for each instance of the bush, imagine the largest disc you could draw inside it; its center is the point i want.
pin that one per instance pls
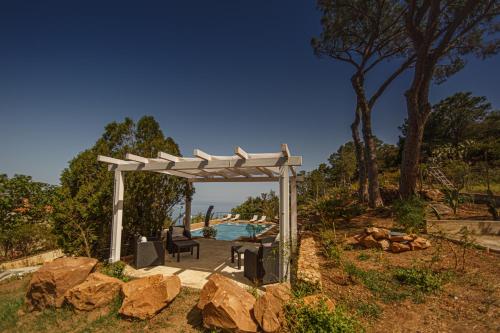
(318, 319)
(303, 288)
(422, 279)
(115, 270)
(410, 214)
(209, 232)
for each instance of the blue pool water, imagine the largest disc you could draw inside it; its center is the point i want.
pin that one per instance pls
(232, 231)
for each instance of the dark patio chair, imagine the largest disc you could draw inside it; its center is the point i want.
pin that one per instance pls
(149, 253)
(262, 265)
(175, 234)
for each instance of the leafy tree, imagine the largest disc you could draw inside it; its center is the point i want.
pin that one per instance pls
(454, 120)
(26, 215)
(442, 33)
(84, 214)
(364, 34)
(343, 164)
(266, 204)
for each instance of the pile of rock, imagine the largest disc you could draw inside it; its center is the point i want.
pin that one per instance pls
(70, 280)
(227, 306)
(308, 262)
(389, 241)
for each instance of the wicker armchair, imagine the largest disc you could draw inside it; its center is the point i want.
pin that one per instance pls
(262, 265)
(149, 253)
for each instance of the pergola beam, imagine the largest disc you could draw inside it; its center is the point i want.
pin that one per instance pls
(234, 180)
(241, 153)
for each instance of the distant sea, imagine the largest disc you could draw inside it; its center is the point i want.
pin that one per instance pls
(220, 208)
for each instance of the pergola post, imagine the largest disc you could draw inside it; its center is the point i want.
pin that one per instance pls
(116, 230)
(187, 214)
(284, 245)
(293, 213)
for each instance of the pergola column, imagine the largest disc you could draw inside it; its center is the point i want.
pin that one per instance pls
(293, 213)
(284, 245)
(187, 214)
(116, 230)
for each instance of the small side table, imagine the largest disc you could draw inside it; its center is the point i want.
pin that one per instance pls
(185, 244)
(239, 249)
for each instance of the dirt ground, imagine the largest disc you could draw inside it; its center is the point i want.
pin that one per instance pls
(468, 302)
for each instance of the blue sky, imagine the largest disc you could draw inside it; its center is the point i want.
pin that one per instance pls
(215, 74)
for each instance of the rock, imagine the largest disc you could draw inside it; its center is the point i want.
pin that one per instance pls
(401, 238)
(308, 262)
(49, 284)
(227, 306)
(420, 243)
(147, 296)
(384, 244)
(432, 195)
(381, 234)
(96, 291)
(317, 299)
(268, 309)
(369, 242)
(351, 241)
(399, 247)
(371, 230)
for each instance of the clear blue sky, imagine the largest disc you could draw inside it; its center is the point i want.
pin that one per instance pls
(215, 74)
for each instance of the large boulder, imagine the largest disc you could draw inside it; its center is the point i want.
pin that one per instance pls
(381, 233)
(268, 309)
(96, 291)
(50, 283)
(147, 296)
(227, 306)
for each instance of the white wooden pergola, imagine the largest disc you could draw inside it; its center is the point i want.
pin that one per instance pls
(206, 168)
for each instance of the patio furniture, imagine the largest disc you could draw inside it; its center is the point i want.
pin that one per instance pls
(262, 265)
(254, 218)
(239, 250)
(235, 218)
(149, 253)
(262, 219)
(185, 246)
(227, 217)
(177, 233)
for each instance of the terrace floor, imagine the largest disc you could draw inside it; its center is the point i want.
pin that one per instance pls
(215, 257)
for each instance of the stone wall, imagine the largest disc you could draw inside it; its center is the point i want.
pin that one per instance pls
(308, 262)
(37, 259)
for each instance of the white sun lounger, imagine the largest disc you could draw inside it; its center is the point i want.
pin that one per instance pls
(254, 218)
(235, 218)
(262, 219)
(227, 217)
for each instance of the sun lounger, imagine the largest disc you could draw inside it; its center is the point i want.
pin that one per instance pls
(235, 218)
(254, 218)
(262, 219)
(227, 217)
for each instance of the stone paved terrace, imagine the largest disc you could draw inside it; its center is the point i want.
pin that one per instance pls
(215, 257)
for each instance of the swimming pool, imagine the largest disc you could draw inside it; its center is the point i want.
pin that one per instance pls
(232, 231)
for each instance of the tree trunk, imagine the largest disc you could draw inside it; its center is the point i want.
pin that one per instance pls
(374, 197)
(360, 158)
(418, 112)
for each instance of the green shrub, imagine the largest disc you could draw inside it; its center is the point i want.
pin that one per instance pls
(368, 310)
(209, 232)
(302, 318)
(115, 270)
(422, 279)
(304, 288)
(410, 214)
(380, 284)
